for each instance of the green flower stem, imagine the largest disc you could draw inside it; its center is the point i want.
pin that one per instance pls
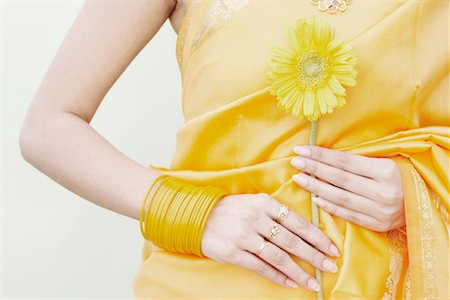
(314, 208)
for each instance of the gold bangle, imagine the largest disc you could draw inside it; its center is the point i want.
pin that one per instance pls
(177, 214)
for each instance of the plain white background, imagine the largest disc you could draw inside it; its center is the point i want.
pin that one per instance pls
(56, 244)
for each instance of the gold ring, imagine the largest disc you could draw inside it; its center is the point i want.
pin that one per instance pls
(274, 231)
(282, 213)
(261, 248)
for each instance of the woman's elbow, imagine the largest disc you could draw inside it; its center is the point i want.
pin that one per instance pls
(27, 140)
(33, 134)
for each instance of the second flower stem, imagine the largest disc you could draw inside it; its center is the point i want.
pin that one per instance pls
(314, 208)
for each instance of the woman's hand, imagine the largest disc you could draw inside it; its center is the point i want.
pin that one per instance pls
(363, 190)
(237, 226)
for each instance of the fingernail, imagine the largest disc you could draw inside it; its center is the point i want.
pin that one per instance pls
(298, 163)
(302, 151)
(334, 250)
(313, 284)
(291, 283)
(300, 179)
(329, 265)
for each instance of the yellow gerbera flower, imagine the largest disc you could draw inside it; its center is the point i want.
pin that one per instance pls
(309, 76)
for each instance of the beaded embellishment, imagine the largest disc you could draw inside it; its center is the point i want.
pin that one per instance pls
(219, 11)
(331, 6)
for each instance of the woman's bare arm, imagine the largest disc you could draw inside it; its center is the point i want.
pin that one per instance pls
(56, 136)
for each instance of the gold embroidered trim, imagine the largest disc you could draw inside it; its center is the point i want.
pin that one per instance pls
(426, 236)
(192, 4)
(440, 207)
(219, 11)
(398, 245)
(407, 286)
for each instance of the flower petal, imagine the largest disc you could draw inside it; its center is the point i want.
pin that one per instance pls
(342, 48)
(283, 89)
(323, 106)
(298, 106)
(341, 100)
(281, 52)
(316, 113)
(335, 86)
(309, 103)
(281, 68)
(292, 37)
(324, 34)
(346, 79)
(303, 33)
(331, 99)
(288, 100)
(343, 68)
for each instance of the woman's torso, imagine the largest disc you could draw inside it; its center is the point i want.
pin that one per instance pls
(234, 136)
(223, 49)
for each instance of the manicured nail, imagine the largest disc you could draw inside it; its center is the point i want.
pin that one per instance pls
(329, 265)
(334, 250)
(291, 283)
(298, 163)
(313, 284)
(302, 151)
(301, 179)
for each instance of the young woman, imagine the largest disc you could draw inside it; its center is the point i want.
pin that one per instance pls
(378, 169)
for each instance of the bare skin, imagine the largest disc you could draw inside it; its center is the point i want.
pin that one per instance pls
(178, 14)
(103, 40)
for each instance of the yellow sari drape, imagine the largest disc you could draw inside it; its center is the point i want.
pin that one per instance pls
(235, 137)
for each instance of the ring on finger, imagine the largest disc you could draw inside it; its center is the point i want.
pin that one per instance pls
(261, 247)
(274, 230)
(282, 213)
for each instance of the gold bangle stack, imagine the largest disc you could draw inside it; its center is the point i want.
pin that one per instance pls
(174, 213)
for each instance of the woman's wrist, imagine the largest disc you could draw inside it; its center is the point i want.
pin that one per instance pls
(174, 213)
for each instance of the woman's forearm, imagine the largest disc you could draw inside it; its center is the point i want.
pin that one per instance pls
(56, 135)
(66, 148)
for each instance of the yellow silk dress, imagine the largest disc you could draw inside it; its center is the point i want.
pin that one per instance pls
(235, 137)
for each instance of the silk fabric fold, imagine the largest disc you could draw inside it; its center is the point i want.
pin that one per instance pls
(235, 137)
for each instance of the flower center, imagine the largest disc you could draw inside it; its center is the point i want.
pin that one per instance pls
(312, 69)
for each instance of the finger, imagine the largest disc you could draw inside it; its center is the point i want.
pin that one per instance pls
(349, 215)
(338, 196)
(354, 163)
(303, 228)
(338, 177)
(259, 266)
(292, 243)
(281, 260)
